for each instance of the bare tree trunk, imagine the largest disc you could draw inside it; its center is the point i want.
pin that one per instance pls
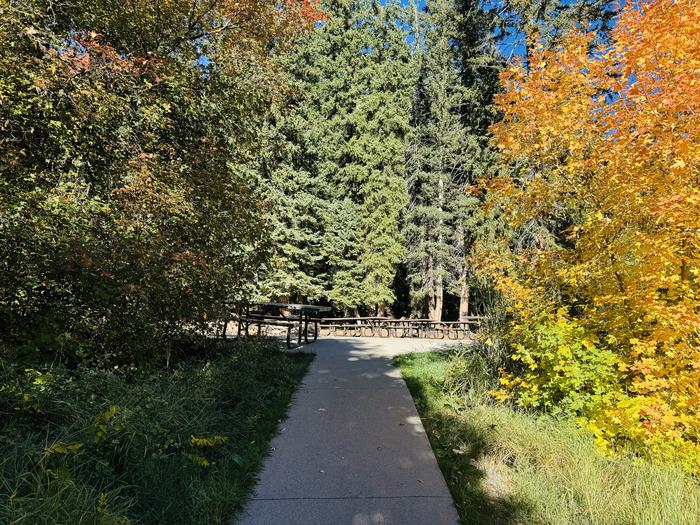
(464, 299)
(436, 314)
(437, 301)
(430, 286)
(168, 352)
(464, 291)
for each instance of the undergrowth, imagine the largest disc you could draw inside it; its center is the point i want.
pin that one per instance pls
(508, 466)
(121, 446)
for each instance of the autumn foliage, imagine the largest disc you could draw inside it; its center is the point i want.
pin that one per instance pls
(128, 214)
(601, 262)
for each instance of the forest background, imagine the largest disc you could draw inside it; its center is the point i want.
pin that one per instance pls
(534, 162)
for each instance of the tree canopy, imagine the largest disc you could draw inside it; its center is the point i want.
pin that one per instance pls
(533, 161)
(602, 264)
(127, 213)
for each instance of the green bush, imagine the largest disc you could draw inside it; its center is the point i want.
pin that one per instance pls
(560, 367)
(128, 212)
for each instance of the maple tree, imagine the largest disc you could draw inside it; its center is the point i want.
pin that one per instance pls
(601, 263)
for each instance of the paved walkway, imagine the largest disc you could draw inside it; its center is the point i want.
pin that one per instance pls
(353, 450)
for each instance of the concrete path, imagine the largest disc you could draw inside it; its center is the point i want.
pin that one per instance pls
(353, 450)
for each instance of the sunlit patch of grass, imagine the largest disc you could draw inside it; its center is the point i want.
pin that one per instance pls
(505, 466)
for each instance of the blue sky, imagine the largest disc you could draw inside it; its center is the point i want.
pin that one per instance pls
(511, 45)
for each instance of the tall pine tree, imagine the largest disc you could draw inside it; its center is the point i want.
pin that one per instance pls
(458, 76)
(435, 160)
(382, 124)
(479, 65)
(338, 177)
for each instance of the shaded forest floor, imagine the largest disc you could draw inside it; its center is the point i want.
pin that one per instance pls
(505, 466)
(135, 446)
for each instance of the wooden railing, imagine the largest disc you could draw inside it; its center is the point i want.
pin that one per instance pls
(386, 327)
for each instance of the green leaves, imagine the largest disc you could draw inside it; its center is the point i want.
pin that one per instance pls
(126, 214)
(561, 369)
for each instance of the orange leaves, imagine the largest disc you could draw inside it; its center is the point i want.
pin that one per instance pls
(605, 147)
(305, 12)
(281, 20)
(556, 86)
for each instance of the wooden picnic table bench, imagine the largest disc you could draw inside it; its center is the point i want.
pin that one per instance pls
(355, 326)
(299, 316)
(387, 327)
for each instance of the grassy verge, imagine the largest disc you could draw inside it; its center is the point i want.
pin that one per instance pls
(130, 446)
(505, 466)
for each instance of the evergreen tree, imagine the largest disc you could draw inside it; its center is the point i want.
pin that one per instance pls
(525, 22)
(292, 194)
(342, 247)
(435, 157)
(337, 181)
(479, 65)
(458, 76)
(303, 164)
(382, 124)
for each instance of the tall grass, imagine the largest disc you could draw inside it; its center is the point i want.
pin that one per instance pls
(507, 466)
(118, 447)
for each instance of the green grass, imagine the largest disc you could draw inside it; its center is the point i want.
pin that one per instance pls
(126, 452)
(505, 466)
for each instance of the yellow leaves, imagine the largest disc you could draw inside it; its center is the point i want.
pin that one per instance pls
(197, 459)
(606, 203)
(501, 394)
(62, 448)
(208, 442)
(678, 163)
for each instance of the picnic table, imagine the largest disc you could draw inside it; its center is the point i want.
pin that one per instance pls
(353, 325)
(287, 315)
(387, 327)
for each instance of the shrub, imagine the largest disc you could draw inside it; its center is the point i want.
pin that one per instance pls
(600, 262)
(143, 446)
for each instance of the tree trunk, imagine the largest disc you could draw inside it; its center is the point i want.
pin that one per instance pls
(464, 291)
(429, 293)
(436, 314)
(437, 301)
(464, 299)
